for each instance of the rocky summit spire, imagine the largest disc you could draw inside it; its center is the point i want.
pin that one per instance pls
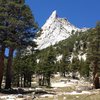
(50, 20)
(53, 15)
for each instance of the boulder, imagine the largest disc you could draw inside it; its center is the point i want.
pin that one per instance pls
(83, 88)
(20, 96)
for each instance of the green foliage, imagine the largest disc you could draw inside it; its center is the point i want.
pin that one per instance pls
(17, 24)
(46, 60)
(93, 52)
(84, 69)
(46, 65)
(24, 67)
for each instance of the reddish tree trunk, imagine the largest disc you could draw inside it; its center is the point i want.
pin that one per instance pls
(9, 69)
(95, 76)
(96, 82)
(1, 64)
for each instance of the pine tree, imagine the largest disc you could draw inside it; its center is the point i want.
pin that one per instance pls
(50, 65)
(64, 63)
(21, 28)
(24, 67)
(94, 53)
(46, 66)
(3, 34)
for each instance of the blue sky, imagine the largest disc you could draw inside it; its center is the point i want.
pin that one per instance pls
(81, 13)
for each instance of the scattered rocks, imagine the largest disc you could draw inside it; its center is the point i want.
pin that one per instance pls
(47, 96)
(20, 96)
(16, 97)
(83, 88)
(78, 91)
(38, 89)
(10, 97)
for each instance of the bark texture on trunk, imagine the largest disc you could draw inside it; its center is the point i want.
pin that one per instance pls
(96, 82)
(95, 76)
(9, 69)
(1, 63)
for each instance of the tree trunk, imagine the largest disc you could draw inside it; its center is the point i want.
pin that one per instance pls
(1, 64)
(96, 82)
(24, 80)
(18, 80)
(40, 80)
(44, 80)
(9, 69)
(95, 76)
(21, 83)
(48, 79)
(64, 71)
(30, 80)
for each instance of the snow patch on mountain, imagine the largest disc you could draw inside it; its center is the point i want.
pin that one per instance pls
(54, 30)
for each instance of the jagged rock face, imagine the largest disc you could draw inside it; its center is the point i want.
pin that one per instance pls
(54, 30)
